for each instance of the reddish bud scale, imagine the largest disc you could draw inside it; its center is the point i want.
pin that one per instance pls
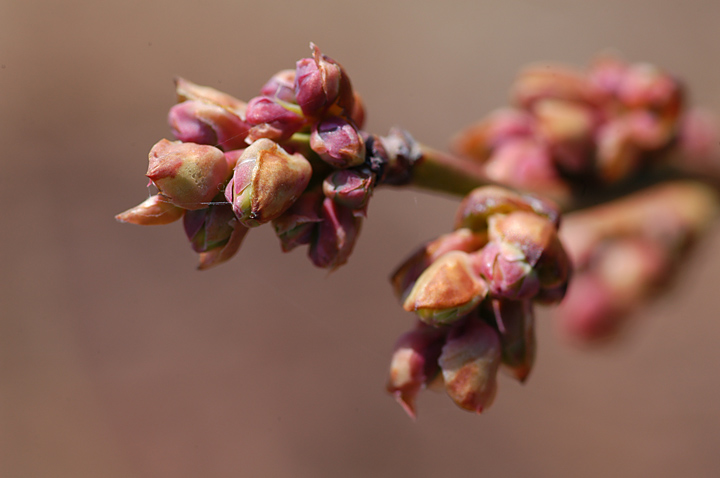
(154, 211)
(271, 119)
(469, 362)
(336, 235)
(206, 123)
(338, 142)
(414, 364)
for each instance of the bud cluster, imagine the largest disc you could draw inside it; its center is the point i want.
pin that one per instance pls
(569, 130)
(473, 292)
(627, 252)
(294, 156)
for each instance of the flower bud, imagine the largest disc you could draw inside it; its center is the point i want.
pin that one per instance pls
(336, 235)
(483, 202)
(266, 182)
(408, 272)
(272, 119)
(507, 272)
(526, 164)
(645, 86)
(154, 211)
(207, 123)
(447, 290)
(568, 129)
(516, 324)
(209, 228)
(536, 239)
(469, 362)
(414, 364)
(320, 83)
(350, 187)
(220, 254)
(187, 90)
(188, 174)
(281, 86)
(295, 227)
(338, 142)
(550, 82)
(478, 140)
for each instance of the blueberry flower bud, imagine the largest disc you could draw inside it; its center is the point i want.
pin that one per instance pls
(209, 228)
(320, 83)
(189, 175)
(206, 123)
(272, 119)
(507, 272)
(154, 211)
(483, 202)
(187, 90)
(469, 361)
(296, 226)
(281, 86)
(336, 235)
(447, 290)
(338, 142)
(350, 187)
(266, 182)
(516, 326)
(408, 272)
(414, 364)
(218, 255)
(536, 239)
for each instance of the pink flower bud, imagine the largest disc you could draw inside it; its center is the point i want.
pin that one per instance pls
(336, 235)
(187, 90)
(320, 83)
(646, 86)
(338, 142)
(188, 174)
(154, 211)
(350, 187)
(207, 123)
(281, 86)
(528, 165)
(414, 364)
(218, 255)
(266, 182)
(469, 361)
(447, 290)
(536, 239)
(295, 227)
(507, 272)
(478, 140)
(209, 228)
(272, 119)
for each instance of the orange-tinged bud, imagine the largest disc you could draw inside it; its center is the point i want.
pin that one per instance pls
(408, 272)
(266, 182)
(447, 290)
(154, 211)
(188, 174)
(469, 361)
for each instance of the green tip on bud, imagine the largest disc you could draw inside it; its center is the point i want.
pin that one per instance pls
(447, 290)
(154, 211)
(218, 255)
(189, 175)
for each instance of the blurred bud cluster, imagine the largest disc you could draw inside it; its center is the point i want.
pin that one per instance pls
(628, 251)
(295, 156)
(473, 291)
(571, 130)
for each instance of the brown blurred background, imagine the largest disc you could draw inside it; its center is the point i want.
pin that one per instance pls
(119, 359)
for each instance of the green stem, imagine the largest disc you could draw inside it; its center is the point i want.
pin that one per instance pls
(443, 172)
